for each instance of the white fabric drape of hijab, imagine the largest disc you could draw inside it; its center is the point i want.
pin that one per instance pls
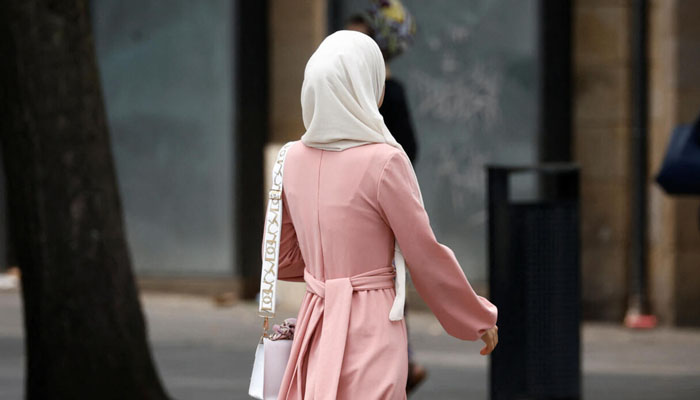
(343, 83)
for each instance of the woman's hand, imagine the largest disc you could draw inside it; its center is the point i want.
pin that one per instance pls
(490, 337)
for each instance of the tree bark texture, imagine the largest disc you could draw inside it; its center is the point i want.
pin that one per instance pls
(84, 328)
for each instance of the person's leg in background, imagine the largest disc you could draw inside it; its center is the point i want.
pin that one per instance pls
(416, 372)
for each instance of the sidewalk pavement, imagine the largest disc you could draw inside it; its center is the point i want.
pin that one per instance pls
(205, 353)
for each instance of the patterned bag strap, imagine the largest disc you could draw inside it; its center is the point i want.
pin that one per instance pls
(272, 233)
(271, 249)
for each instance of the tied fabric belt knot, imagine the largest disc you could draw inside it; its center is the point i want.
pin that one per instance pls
(337, 295)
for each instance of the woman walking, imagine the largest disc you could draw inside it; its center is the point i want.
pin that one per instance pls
(352, 204)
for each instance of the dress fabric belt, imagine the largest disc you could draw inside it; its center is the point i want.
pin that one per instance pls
(337, 295)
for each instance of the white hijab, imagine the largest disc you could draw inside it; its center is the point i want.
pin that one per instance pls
(343, 83)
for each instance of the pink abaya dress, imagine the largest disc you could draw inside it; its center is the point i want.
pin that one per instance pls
(342, 210)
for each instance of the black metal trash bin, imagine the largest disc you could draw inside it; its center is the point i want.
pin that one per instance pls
(534, 268)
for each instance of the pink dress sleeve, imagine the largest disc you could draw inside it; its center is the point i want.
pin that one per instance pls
(291, 263)
(434, 269)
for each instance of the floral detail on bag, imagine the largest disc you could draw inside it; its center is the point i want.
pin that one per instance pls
(284, 331)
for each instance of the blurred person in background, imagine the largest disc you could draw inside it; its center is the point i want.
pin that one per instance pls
(393, 27)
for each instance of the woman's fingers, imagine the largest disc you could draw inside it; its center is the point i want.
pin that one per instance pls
(487, 349)
(490, 338)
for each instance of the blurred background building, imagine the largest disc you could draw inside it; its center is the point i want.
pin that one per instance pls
(167, 79)
(603, 143)
(200, 95)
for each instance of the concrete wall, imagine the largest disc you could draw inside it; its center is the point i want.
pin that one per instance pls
(602, 138)
(603, 143)
(166, 71)
(675, 99)
(296, 29)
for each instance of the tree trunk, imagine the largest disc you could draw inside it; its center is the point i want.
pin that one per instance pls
(85, 332)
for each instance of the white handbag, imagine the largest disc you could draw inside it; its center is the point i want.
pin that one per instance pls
(272, 352)
(271, 357)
